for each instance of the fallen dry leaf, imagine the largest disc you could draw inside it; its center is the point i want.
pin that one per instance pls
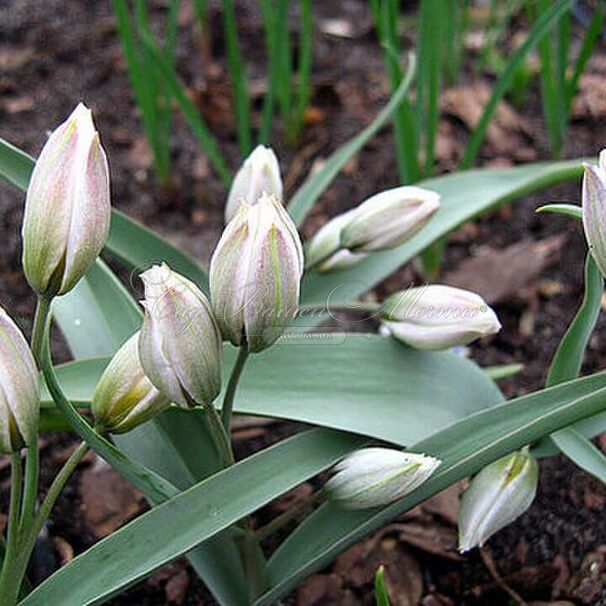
(590, 101)
(358, 565)
(176, 588)
(109, 500)
(498, 275)
(508, 134)
(432, 538)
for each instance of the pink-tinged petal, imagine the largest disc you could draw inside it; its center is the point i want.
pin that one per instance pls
(389, 218)
(67, 207)
(180, 343)
(90, 219)
(19, 382)
(260, 173)
(255, 274)
(594, 213)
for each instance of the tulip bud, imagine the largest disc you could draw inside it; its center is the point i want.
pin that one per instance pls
(372, 477)
(180, 343)
(67, 208)
(594, 210)
(325, 253)
(389, 218)
(499, 494)
(384, 221)
(259, 174)
(124, 396)
(19, 389)
(437, 317)
(255, 274)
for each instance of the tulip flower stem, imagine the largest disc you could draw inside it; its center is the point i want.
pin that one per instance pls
(30, 492)
(57, 486)
(230, 392)
(9, 583)
(289, 515)
(221, 436)
(40, 316)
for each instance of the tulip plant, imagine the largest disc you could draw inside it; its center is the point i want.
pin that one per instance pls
(152, 389)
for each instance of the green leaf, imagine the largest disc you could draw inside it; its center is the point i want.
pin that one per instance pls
(570, 210)
(504, 371)
(566, 365)
(98, 315)
(464, 448)
(542, 26)
(199, 128)
(465, 195)
(382, 384)
(175, 527)
(381, 594)
(130, 242)
(15, 165)
(96, 318)
(315, 185)
(567, 360)
(138, 247)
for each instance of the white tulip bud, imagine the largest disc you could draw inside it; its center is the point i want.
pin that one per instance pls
(437, 317)
(255, 274)
(384, 221)
(390, 218)
(594, 210)
(499, 494)
(19, 389)
(67, 208)
(124, 396)
(180, 343)
(372, 477)
(259, 174)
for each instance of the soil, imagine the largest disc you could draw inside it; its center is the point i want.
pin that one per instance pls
(55, 53)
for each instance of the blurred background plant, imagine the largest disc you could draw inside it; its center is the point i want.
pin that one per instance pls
(442, 31)
(156, 84)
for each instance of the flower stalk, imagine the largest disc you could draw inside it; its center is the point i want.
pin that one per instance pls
(232, 385)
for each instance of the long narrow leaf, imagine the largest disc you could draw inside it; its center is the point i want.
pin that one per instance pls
(238, 79)
(190, 113)
(305, 197)
(193, 516)
(381, 383)
(566, 365)
(545, 22)
(464, 449)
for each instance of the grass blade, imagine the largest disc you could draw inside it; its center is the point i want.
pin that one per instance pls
(200, 129)
(543, 25)
(238, 79)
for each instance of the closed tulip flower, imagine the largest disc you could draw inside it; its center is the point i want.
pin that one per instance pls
(180, 343)
(594, 210)
(19, 389)
(124, 396)
(259, 174)
(325, 252)
(372, 477)
(67, 207)
(389, 218)
(437, 317)
(499, 494)
(386, 220)
(255, 274)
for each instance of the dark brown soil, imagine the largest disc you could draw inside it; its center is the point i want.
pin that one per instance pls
(55, 53)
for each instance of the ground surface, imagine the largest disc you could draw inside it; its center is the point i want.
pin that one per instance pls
(55, 53)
